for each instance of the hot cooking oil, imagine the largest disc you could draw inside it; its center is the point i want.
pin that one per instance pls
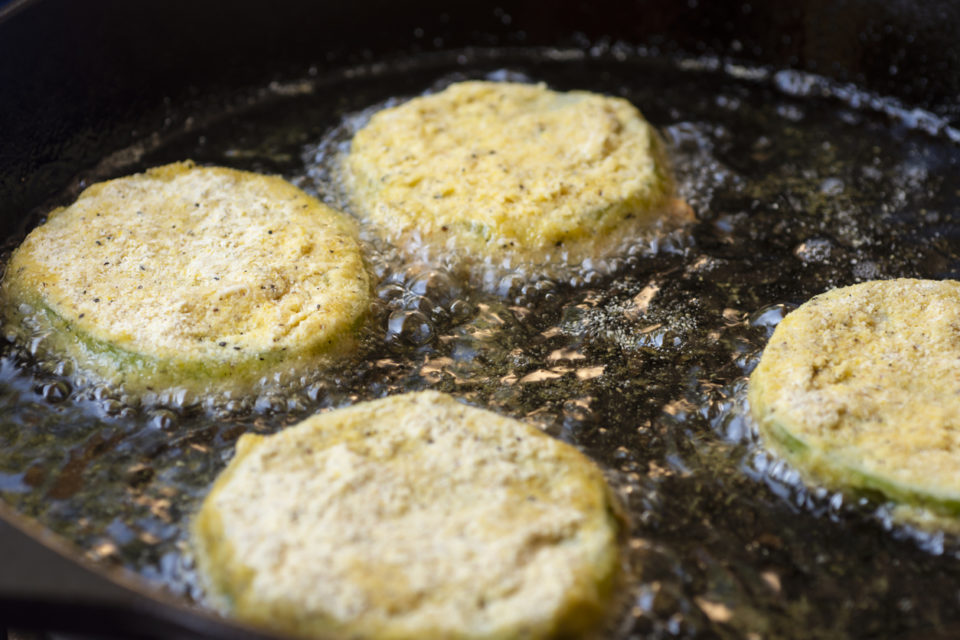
(798, 184)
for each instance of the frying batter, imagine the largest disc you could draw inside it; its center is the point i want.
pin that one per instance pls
(860, 387)
(206, 279)
(513, 175)
(414, 516)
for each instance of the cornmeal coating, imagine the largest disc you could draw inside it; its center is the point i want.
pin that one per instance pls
(413, 516)
(860, 387)
(511, 174)
(202, 278)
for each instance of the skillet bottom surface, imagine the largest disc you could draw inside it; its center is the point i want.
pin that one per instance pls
(799, 185)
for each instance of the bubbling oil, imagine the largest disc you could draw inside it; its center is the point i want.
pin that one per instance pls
(798, 184)
(326, 177)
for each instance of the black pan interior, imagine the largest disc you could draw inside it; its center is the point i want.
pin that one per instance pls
(82, 79)
(800, 182)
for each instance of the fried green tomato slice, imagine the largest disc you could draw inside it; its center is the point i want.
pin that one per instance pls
(413, 516)
(206, 279)
(511, 174)
(860, 388)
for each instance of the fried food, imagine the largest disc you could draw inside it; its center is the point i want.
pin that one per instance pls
(413, 516)
(860, 388)
(513, 175)
(206, 279)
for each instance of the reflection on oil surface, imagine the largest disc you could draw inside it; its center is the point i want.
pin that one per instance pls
(798, 186)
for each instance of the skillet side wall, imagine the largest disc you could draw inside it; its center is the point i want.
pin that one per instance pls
(82, 79)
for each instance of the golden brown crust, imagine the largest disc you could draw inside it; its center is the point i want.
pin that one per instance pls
(189, 275)
(512, 174)
(408, 517)
(860, 386)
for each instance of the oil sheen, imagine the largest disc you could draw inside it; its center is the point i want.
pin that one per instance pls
(799, 185)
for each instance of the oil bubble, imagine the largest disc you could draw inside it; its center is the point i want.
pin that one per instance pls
(225, 411)
(54, 392)
(411, 327)
(460, 310)
(163, 419)
(510, 286)
(769, 317)
(270, 404)
(62, 367)
(433, 284)
(414, 302)
(113, 407)
(389, 292)
(578, 418)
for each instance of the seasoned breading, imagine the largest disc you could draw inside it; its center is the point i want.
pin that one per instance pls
(511, 174)
(201, 278)
(414, 516)
(860, 387)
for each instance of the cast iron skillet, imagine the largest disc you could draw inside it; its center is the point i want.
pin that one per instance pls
(80, 80)
(46, 584)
